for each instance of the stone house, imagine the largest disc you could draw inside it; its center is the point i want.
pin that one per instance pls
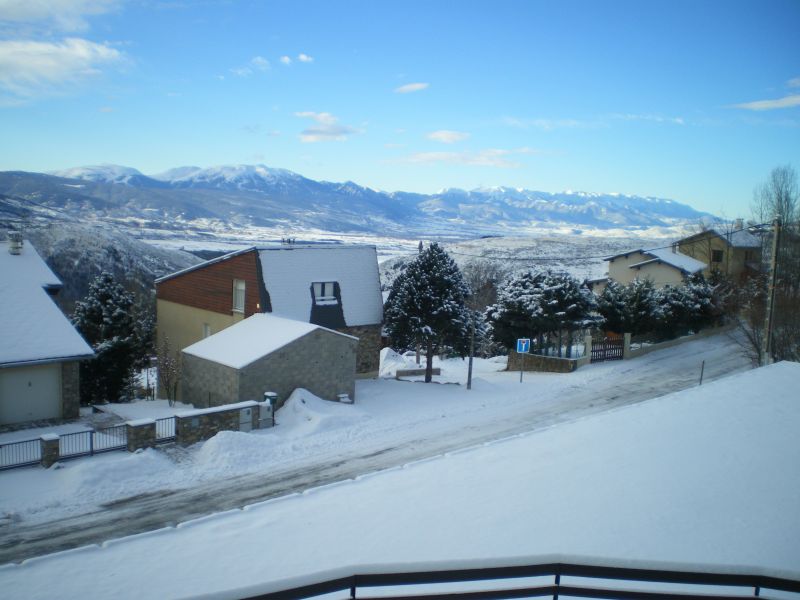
(663, 266)
(735, 253)
(39, 348)
(335, 286)
(266, 353)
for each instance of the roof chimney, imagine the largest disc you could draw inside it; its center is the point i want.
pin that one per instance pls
(738, 224)
(15, 242)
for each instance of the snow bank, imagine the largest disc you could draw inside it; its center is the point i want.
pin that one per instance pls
(391, 361)
(305, 414)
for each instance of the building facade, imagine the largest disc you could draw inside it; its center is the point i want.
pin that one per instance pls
(333, 286)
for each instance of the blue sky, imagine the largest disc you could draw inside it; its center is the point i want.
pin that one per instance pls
(695, 101)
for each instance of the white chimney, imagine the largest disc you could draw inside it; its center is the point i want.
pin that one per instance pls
(15, 242)
(738, 224)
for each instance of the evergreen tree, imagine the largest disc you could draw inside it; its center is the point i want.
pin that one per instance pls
(534, 304)
(519, 311)
(426, 305)
(104, 318)
(634, 308)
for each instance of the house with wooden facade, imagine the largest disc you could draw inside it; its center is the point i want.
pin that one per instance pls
(335, 286)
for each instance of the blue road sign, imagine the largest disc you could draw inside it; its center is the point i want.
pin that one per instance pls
(523, 345)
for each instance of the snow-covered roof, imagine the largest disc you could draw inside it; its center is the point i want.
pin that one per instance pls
(740, 239)
(252, 338)
(290, 270)
(687, 264)
(32, 327)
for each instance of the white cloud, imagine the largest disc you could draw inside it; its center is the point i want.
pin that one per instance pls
(793, 83)
(411, 87)
(492, 157)
(785, 102)
(30, 68)
(446, 136)
(62, 15)
(326, 130)
(257, 63)
(286, 60)
(260, 63)
(652, 118)
(305, 58)
(548, 124)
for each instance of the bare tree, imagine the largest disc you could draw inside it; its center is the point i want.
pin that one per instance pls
(483, 278)
(169, 370)
(779, 197)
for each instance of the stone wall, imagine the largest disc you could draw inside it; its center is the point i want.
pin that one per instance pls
(321, 362)
(545, 364)
(70, 390)
(205, 383)
(369, 348)
(200, 425)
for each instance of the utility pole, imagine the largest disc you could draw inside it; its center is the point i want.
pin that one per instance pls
(471, 350)
(773, 279)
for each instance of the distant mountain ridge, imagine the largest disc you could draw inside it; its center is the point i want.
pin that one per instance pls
(235, 196)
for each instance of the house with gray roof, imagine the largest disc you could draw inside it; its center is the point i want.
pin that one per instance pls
(40, 348)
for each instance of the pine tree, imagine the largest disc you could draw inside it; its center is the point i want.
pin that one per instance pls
(535, 304)
(426, 305)
(104, 318)
(634, 308)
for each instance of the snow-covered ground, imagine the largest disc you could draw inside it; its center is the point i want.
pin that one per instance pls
(409, 419)
(701, 477)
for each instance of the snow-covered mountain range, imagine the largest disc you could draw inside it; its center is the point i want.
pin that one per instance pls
(240, 196)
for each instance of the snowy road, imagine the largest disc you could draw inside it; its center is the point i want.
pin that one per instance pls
(509, 408)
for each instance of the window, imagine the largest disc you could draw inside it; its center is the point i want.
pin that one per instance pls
(716, 256)
(324, 293)
(238, 295)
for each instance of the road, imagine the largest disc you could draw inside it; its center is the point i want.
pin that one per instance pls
(641, 379)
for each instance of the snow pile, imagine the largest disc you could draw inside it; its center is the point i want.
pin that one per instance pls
(235, 451)
(114, 477)
(305, 414)
(391, 361)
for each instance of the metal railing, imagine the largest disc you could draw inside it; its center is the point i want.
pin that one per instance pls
(165, 430)
(80, 443)
(20, 454)
(552, 580)
(110, 438)
(73, 445)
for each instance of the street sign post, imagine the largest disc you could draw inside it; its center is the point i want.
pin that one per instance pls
(523, 348)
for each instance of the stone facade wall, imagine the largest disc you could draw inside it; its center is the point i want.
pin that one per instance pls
(205, 383)
(140, 434)
(321, 362)
(70, 390)
(49, 449)
(199, 426)
(368, 360)
(545, 364)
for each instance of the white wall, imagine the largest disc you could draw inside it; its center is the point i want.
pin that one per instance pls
(30, 393)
